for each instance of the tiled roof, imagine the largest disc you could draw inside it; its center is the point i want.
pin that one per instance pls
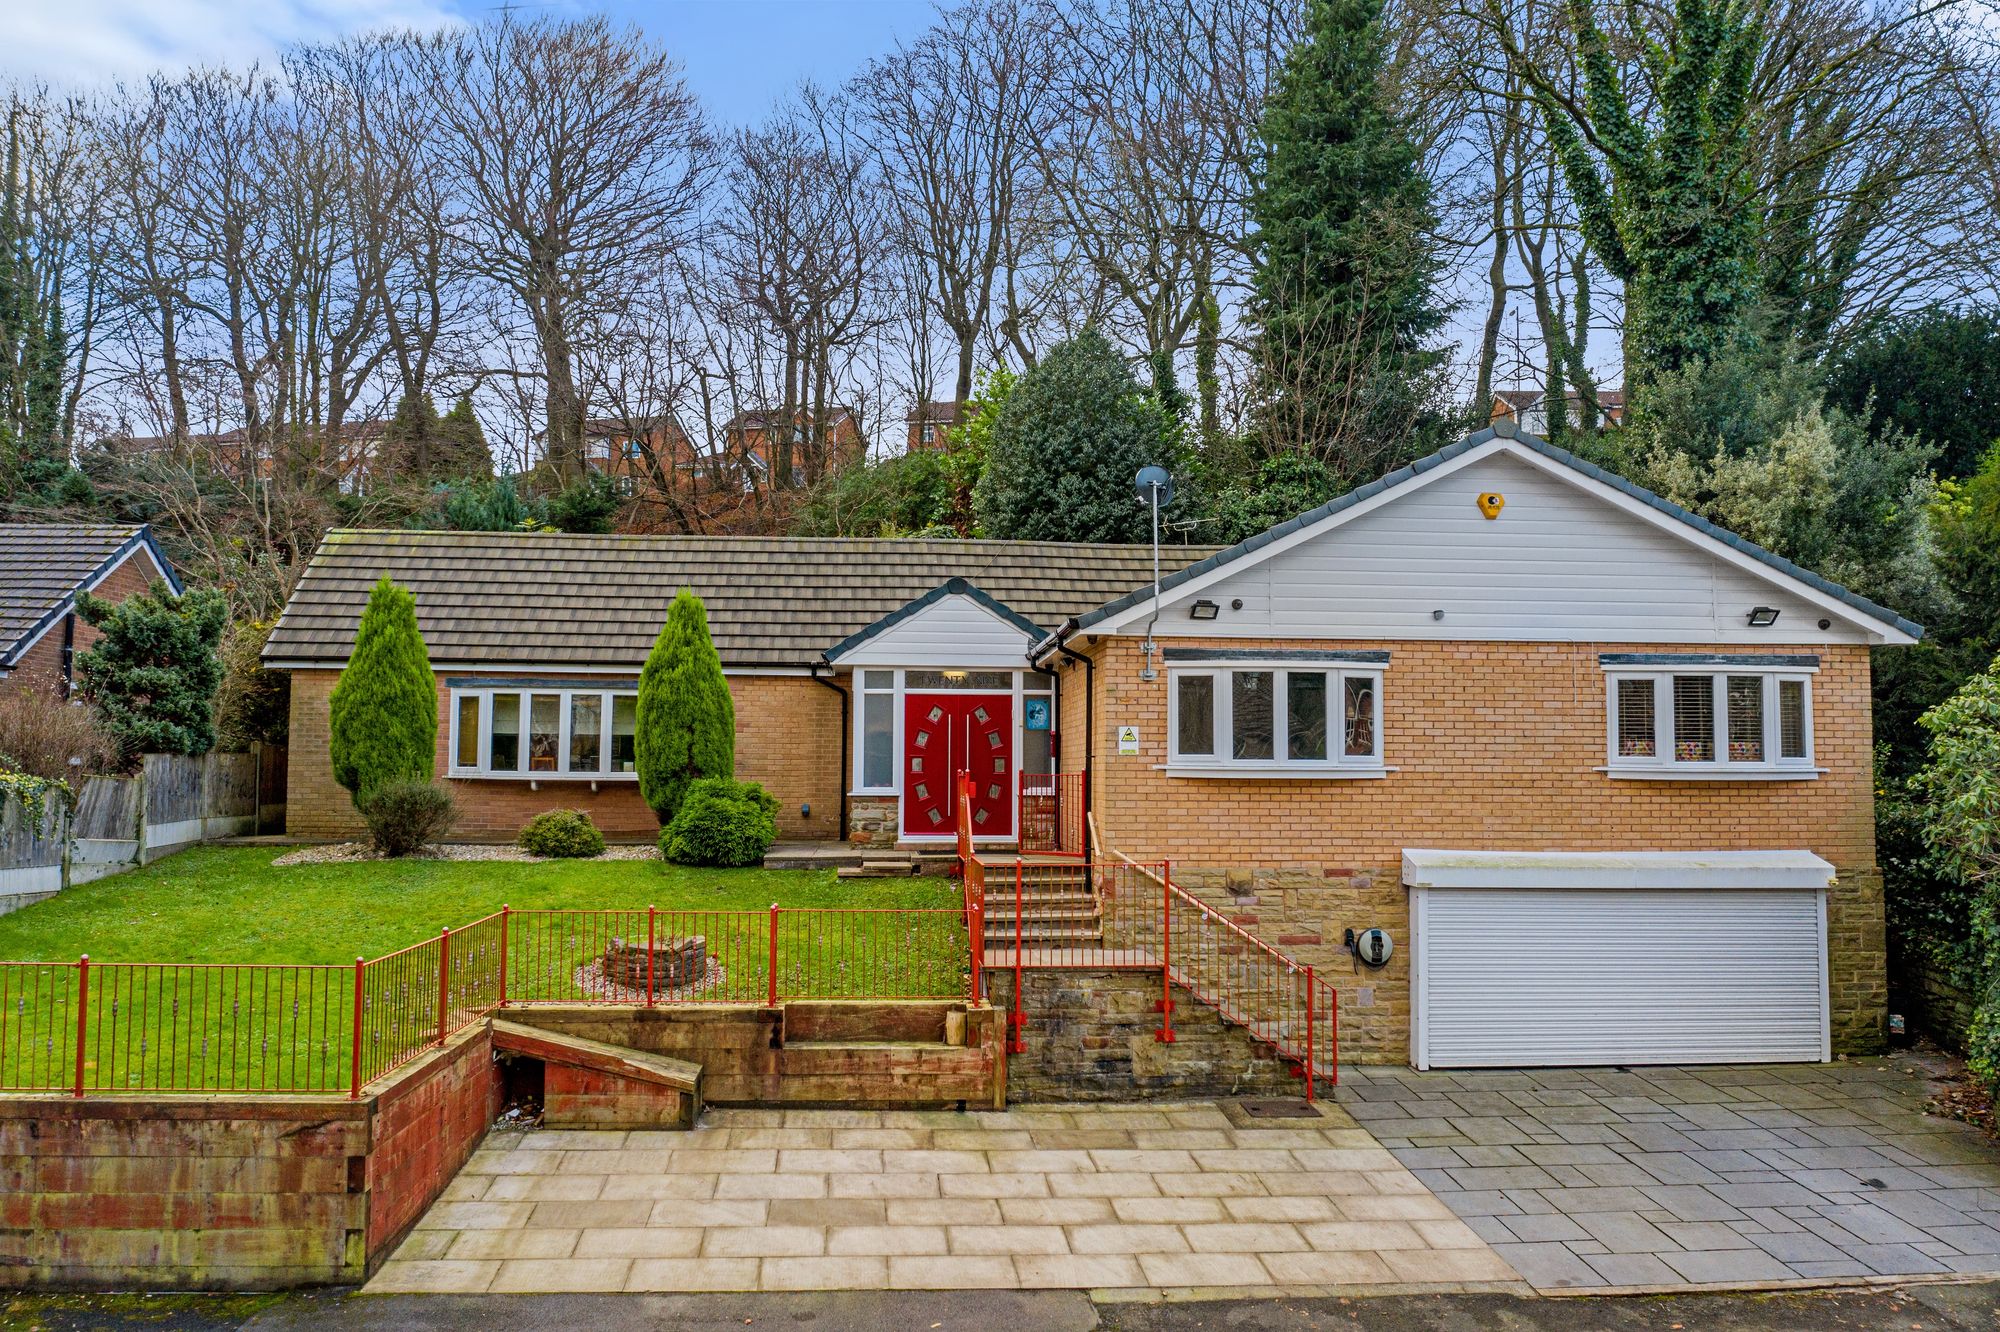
(552, 599)
(43, 564)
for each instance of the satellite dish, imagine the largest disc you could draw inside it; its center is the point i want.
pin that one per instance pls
(1151, 479)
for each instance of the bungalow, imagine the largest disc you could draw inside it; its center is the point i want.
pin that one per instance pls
(1599, 769)
(42, 568)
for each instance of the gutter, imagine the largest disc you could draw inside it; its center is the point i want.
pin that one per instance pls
(846, 725)
(1054, 642)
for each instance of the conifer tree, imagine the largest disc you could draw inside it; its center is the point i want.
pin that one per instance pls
(383, 711)
(153, 673)
(1342, 295)
(686, 722)
(409, 443)
(461, 450)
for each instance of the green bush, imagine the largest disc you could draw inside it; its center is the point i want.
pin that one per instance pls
(561, 834)
(686, 718)
(383, 714)
(154, 671)
(721, 822)
(407, 816)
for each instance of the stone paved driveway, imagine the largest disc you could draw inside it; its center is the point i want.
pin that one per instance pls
(1095, 1197)
(1656, 1177)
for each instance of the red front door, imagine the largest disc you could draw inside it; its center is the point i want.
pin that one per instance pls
(944, 733)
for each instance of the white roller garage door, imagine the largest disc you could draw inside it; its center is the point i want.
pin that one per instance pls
(1588, 958)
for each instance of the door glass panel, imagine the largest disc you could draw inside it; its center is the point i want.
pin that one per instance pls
(878, 740)
(1196, 722)
(878, 679)
(1305, 714)
(468, 731)
(1746, 719)
(1251, 734)
(989, 680)
(506, 753)
(544, 731)
(1038, 754)
(624, 733)
(1358, 723)
(1694, 719)
(586, 731)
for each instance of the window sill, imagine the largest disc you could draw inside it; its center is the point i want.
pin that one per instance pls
(1292, 772)
(886, 793)
(1693, 773)
(468, 775)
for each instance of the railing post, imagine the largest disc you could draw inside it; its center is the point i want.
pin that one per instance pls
(503, 955)
(1017, 1040)
(1309, 1035)
(354, 1070)
(82, 1014)
(444, 980)
(1165, 1034)
(772, 1001)
(652, 914)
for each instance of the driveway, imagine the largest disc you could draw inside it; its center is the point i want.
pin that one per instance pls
(1658, 1177)
(1099, 1197)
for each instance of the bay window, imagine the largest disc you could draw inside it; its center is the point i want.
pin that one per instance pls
(554, 731)
(1732, 717)
(1286, 720)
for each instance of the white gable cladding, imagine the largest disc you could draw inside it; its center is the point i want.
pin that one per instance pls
(953, 631)
(1558, 564)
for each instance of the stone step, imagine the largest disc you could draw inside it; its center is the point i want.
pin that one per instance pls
(878, 869)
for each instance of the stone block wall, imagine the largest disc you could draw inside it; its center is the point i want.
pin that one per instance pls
(1090, 1037)
(426, 1121)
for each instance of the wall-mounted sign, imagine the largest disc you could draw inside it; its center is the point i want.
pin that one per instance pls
(1035, 714)
(1128, 739)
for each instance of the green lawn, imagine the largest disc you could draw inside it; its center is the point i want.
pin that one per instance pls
(232, 1027)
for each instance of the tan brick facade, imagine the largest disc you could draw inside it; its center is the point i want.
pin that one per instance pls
(1494, 746)
(42, 665)
(787, 737)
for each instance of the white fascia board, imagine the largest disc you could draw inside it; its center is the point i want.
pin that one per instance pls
(1443, 868)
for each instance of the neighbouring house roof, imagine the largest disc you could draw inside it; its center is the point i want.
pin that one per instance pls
(553, 599)
(762, 418)
(1525, 400)
(937, 413)
(42, 565)
(1505, 435)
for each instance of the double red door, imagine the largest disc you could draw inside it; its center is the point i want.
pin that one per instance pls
(944, 733)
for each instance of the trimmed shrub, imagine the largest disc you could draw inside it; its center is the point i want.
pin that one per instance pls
(686, 719)
(407, 816)
(723, 823)
(561, 834)
(383, 713)
(154, 672)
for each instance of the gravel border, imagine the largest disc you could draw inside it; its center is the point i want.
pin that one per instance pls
(342, 853)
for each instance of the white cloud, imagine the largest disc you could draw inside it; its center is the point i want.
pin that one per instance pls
(90, 43)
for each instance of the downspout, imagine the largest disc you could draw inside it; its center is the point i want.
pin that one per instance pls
(1056, 643)
(846, 724)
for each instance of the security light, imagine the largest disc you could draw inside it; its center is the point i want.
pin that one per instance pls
(1204, 610)
(1760, 616)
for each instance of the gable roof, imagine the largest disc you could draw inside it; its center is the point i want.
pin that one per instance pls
(43, 564)
(951, 587)
(1504, 435)
(596, 602)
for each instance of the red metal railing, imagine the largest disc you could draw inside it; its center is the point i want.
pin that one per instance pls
(168, 1027)
(1054, 809)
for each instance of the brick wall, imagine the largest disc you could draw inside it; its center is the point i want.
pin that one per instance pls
(787, 737)
(41, 666)
(425, 1124)
(1494, 746)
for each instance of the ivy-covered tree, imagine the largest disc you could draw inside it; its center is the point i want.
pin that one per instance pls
(382, 714)
(1342, 298)
(1074, 432)
(33, 340)
(154, 670)
(1662, 176)
(686, 719)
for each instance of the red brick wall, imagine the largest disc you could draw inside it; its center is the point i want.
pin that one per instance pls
(41, 666)
(1494, 745)
(787, 737)
(425, 1125)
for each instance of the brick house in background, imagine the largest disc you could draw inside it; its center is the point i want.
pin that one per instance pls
(1601, 769)
(927, 423)
(42, 568)
(752, 436)
(1527, 409)
(350, 454)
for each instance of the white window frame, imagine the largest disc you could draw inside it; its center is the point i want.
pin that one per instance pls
(1662, 765)
(1337, 764)
(564, 693)
(894, 693)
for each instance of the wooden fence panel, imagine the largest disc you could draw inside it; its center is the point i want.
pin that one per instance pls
(173, 788)
(108, 809)
(229, 786)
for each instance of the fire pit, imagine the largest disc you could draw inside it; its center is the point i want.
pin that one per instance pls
(675, 963)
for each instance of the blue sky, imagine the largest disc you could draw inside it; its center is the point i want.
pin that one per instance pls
(739, 55)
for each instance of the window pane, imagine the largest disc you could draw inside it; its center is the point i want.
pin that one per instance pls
(1038, 680)
(1359, 706)
(878, 740)
(586, 731)
(1037, 751)
(1792, 719)
(544, 731)
(1746, 719)
(1694, 719)
(1305, 714)
(1197, 714)
(506, 733)
(624, 733)
(1638, 737)
(1252, 734)
(878, 679)
(468, 731)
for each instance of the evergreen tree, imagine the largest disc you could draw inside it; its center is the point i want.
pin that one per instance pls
(1074, 432)
(1342, 294)
(153, 673)
(1934, 374)
(686, 722)
(461, 443)
(409, 448)
(383, 715)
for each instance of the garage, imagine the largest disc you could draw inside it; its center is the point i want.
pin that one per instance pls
(1524, 959)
